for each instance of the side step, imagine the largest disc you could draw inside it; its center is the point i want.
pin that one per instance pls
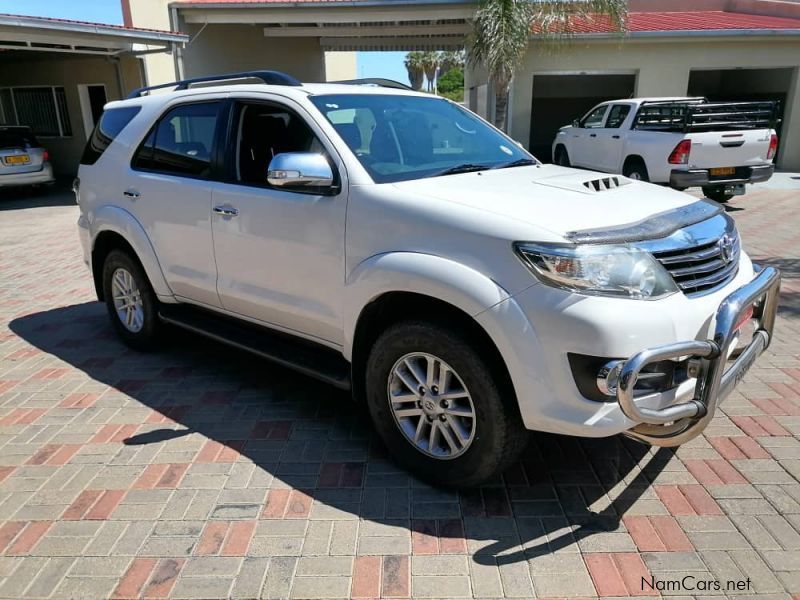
(306, 357)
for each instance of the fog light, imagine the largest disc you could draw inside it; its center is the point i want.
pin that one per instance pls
(608, 377)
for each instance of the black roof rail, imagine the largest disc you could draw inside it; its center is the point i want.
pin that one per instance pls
(387, 83)
(268, 77)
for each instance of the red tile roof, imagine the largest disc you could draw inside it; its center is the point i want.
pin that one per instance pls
(686, 21)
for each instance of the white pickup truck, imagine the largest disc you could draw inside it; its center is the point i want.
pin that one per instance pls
(682, 142)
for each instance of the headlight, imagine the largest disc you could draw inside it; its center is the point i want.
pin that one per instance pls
(620, 271)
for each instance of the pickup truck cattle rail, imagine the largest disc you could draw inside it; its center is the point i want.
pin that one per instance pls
(691, 116)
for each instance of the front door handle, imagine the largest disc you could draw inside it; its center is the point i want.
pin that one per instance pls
(227, 211)
(592, 135)
(616, 137)
(131, 193)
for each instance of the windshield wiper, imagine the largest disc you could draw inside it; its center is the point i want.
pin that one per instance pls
(520, 162)
(462, 168)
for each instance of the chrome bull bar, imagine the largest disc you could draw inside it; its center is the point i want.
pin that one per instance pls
(679, 423)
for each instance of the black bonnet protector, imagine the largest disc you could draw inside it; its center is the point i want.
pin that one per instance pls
(654, 227)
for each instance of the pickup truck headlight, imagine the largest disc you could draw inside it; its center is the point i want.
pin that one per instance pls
(620, 271)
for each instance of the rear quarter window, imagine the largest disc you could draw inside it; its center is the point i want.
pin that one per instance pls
(109, 127)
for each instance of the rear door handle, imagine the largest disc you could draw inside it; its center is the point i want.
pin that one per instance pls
(616, 137)
(227, 211)
(592, 135)
(131, 193)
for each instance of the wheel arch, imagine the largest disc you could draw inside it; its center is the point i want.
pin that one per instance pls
(114, 228)
(396, 306)
(632, 159)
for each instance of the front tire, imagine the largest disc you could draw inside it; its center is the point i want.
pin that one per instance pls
(561, 157)
(439, 407)
(130, 301)
(716, 193)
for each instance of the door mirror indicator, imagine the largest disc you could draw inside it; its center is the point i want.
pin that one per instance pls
(300, 170)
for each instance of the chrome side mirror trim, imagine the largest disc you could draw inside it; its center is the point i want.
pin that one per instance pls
(299, 170)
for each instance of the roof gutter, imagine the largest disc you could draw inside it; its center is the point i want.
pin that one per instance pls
(312, 3)
(96, 29)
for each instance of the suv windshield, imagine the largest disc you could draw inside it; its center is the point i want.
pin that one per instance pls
(397, 138)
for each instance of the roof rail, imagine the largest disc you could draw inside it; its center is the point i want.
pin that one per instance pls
(378, 81)
(268, 77)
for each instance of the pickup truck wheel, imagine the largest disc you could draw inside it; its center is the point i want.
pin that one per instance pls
(716, 193)
(562, 157)
(636, 169)
(130, 301)
(438, 408)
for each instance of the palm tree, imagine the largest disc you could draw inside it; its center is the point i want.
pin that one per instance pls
(416, 70)
(450, 59)
(430, 62)
(502, 31)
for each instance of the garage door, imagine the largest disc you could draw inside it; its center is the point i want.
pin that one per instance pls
(560, 99)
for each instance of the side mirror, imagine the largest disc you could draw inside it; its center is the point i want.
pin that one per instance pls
(576, 123)
(300, 170)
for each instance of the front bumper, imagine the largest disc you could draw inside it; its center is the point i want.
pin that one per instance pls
(702, 177)
(679, 423)
(537, 329)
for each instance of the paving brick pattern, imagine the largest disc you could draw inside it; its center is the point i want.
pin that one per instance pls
(200, 472)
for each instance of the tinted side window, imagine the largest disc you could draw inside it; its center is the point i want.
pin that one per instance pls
(265, 131)
(110, 125)
(595, 118)
(617, 116)
(182, 141)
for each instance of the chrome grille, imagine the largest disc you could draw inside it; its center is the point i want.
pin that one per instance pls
(705, 267)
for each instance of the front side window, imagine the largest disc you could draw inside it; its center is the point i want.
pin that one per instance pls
(264, 131)
(594, 120)
(617, 115)
(182, 142)
(398, 138)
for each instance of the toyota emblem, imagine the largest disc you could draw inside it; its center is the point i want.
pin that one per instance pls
(726, 244)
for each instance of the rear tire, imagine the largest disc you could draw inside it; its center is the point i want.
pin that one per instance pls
(716, 193)
(472, 449)
(130, 301)
(561, 157)
(635, 169)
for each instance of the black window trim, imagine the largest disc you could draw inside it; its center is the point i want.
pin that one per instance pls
(215, 173)
(228, 157)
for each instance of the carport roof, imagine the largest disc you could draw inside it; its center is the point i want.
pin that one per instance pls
(45, 34)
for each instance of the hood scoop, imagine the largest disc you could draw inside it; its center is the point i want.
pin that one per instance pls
(605, 183)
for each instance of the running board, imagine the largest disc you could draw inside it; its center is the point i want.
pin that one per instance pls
(305, 357)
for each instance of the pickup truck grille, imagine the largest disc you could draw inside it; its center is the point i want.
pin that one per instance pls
(701, 269)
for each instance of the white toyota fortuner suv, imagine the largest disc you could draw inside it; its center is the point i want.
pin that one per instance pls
(393, 243)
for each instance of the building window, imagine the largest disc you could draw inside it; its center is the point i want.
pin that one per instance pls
(43, 109)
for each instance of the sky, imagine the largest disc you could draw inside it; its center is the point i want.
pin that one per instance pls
(369, 64)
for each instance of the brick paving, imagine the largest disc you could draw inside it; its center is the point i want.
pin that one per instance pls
(200, 472)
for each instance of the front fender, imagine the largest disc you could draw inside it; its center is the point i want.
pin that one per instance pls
(120, 221)
(426, 274)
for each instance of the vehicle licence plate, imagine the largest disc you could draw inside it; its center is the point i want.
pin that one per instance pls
(18, 159)
(723, 171)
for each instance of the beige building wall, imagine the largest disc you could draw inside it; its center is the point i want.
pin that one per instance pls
(218, 49)
(69, 72)
(153, 14)
(662, 69)
(341, 66)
